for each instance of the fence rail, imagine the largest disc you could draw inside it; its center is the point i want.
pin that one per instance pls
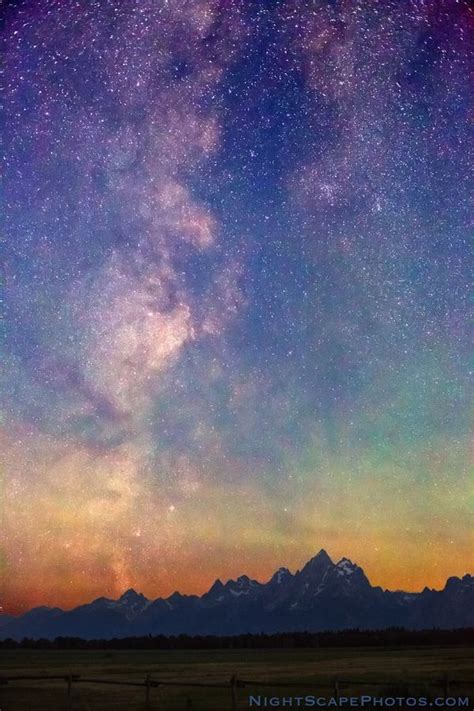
(234, 683)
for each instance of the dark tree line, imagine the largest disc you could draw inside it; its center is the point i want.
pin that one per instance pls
(290, 640)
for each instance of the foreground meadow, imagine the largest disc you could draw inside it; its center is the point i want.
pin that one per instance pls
(398, 671)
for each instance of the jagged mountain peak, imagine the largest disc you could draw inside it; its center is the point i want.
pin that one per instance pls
(458, 583)
(321, 558)
(243, 585)
(322, 555)
(216, 587)
(317, 566)
(350, 574)
(280, 576)
(175, 596)
(244, 580)
(131, 595)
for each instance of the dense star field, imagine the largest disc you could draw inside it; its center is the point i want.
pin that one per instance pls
(236, 270)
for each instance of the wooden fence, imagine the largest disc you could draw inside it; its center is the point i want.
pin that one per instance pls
(334, 685)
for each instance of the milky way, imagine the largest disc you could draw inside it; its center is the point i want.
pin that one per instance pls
(236, 271)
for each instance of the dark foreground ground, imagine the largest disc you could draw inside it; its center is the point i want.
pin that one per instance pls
(397, 671)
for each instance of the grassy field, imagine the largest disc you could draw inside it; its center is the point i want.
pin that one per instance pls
(398, 666)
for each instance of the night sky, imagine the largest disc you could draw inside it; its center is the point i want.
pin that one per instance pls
(236, 275)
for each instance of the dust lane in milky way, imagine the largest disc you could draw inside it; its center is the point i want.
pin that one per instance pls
(236, 278)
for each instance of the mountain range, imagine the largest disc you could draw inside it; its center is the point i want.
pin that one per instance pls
(323, 595)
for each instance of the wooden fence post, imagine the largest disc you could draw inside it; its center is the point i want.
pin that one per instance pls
(147, 690)
(233, 691)
(69, 690)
